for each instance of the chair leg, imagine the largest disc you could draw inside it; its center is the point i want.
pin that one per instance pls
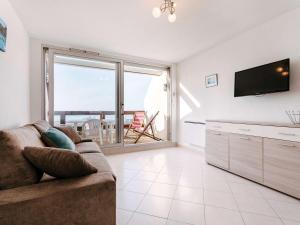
(142, 133)
(127, 130)
(149, 135)
(153, 134)
(138, 138)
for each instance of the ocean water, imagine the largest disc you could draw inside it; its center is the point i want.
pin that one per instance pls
(82, 118)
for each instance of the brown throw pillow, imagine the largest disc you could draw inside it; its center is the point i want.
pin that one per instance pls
(60, 163)
(71, 133)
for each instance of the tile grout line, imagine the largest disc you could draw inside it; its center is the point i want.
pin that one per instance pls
(279, 217)
(143, 195)
(238, 207)
(204, 205)
(203, 198)
(135, 211)
(123, 189)
(173, 197)
(255, 213)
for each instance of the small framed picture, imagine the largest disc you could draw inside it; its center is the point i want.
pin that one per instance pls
(211, 80)
(3, 31)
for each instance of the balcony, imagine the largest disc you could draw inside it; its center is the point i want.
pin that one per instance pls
(106, 132)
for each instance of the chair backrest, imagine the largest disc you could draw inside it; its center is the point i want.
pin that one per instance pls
(151, 121)
(138, 120)
(90, 128)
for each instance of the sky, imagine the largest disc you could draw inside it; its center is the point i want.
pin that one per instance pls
(79, 88)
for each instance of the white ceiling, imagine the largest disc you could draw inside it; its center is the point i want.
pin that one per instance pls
(127, 26)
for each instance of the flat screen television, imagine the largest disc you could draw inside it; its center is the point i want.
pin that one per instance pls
(269, 78)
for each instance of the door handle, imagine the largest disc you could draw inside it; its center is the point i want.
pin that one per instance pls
(287, 134)
(289, 146)
(243, 129)
(245, 138)
(122, 109)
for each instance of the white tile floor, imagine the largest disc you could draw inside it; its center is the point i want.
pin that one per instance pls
(175, 186)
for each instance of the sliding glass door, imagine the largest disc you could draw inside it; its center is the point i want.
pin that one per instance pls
(106, 101)
(84, 93)
(146, 104)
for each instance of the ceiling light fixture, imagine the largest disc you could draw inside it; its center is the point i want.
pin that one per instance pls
(166, 6)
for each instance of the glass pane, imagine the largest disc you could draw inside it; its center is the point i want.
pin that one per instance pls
(85, 97)
(145, 105)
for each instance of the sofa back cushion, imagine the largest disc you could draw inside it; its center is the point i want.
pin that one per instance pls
(42, 126)
(15, 170)
(71, 133)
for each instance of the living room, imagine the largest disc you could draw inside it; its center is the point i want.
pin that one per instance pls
(150, 112)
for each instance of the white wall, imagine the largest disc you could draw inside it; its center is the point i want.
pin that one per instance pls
(275, 40)
(36, 80)
(14, 71)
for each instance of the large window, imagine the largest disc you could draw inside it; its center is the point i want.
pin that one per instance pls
(105, 100)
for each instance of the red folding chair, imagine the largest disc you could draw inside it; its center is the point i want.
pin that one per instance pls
(137, 122)
(137, 126)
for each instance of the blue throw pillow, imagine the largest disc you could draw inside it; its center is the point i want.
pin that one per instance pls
(57, 139)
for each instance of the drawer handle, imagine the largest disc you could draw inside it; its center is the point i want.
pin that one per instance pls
(217, 133)
(289, 146)
(243, 129)
(217, 127)
(287, 134)
(245, 138)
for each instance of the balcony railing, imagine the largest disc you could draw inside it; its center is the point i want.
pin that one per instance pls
(101, 114)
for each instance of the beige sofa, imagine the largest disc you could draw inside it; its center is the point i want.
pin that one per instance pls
(24, 200)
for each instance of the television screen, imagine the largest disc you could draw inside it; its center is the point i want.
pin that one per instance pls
(269, 78)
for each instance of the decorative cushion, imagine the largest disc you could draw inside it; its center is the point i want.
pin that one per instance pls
(15, 170)
(71, 133)
(57, 139)
(58, 163)
(42, 126)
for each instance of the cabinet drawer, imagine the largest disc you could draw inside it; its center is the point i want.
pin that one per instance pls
(216, 126)
(282, 166)
(246, 156)
(282, 133)
(216, 151)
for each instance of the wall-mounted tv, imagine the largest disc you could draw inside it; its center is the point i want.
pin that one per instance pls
(269, 78)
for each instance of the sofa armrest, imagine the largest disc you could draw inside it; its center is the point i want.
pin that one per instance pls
(85, 200)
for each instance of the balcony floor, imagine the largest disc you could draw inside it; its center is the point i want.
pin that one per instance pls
(130, 139)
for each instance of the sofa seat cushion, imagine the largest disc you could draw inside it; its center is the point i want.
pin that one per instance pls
(88, 147)
(15, 170)
(98, 160)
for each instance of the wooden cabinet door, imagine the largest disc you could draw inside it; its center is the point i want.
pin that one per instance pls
(282, 166)
(217, 152)
(246, 156)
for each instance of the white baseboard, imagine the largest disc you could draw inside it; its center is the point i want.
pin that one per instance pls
(137, 147)
(195, 147)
